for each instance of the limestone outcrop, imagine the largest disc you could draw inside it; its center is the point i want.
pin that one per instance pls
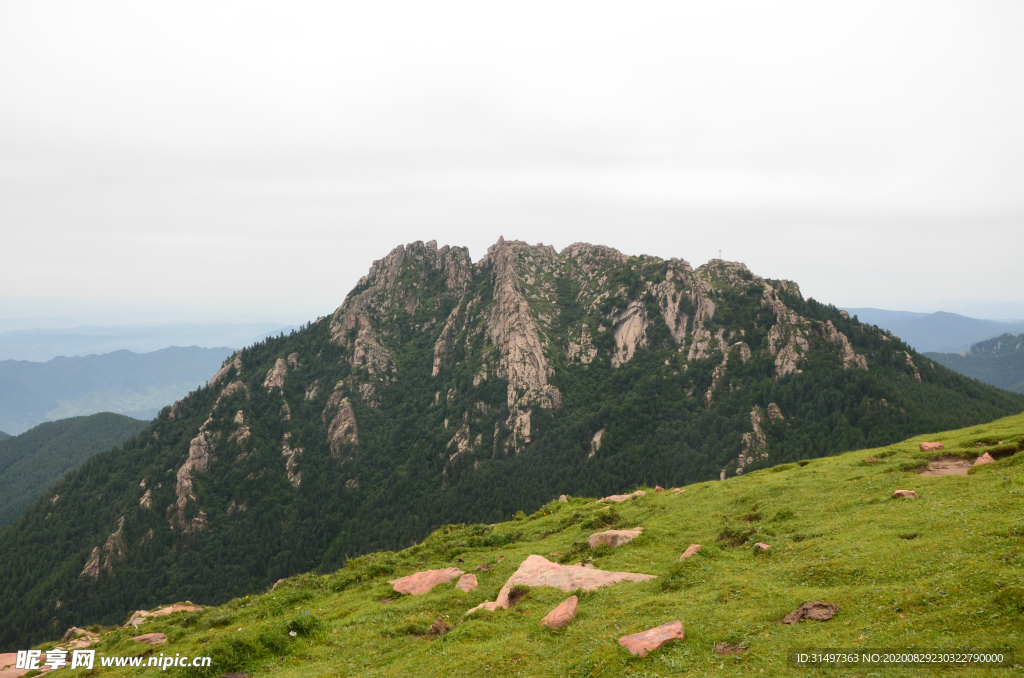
(423, 582)
(200, 450)
(104, 558)
(850, 358)
(630, 333)
(235, 361)
(755, 442)
(340, 419)
(291, 455)
(276, 375)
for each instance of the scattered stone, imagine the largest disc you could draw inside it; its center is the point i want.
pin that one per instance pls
(762, 546)
(140, 616)
(904, 494)
(614, 538)
(564, 499)
(729, 648)
(483, 567)
(816, 610)
(870, 460)
(931, 447)
(984, 459)
(561, 615)
(690, 551)
(422, 582)
(439, 627)
(385, 600)
(640, 644)
(467, 583)
(151, 638)
(539, 571)
(622, 497)
(659, 488)
(74, 632)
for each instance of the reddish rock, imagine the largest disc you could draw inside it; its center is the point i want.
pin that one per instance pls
(931, 447)
(640, 644)
(561, 615)
(762, 546)
(539, 571)
(623, 497)
(691, 551)
(564, 499)
(614, 538)
(815, 610)
(467, 583)
(422, 582)
(151, 638)
(904, 494)
(659, 488)
(984, 459)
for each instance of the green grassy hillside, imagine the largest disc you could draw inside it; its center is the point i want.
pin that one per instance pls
(940, 571)
(34, 460)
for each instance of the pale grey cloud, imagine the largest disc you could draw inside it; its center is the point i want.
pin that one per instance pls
(254, 158)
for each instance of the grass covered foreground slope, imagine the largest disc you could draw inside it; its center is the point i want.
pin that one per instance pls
(940, 571)
(33, 461)
(998, 361)
(447, 391)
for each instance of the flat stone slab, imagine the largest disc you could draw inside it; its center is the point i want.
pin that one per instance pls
(467, 583)
(640, 644)
(151, 638)
(613, 538)
(561, 615)
(539, 571)
(690, 551)
(946, 467)
(622, 497)
(904, 494)
(815, 610)
(422, 582)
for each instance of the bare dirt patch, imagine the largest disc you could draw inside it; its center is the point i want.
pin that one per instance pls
(947, 466)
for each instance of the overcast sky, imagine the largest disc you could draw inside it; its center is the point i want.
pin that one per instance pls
(227, 160)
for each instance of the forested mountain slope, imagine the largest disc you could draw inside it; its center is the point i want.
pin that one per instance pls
(34, 460)
(446, 391)
(4, 436)
(998, 361)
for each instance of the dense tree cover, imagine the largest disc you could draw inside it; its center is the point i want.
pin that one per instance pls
(4, 436)
(998, 361)
(34, 460)
(402, 479)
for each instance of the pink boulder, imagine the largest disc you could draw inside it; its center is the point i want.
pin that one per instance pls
(659, 488)
(561, 615)
(467, 583)
(931, 447)
(904, 494)
(647, 641)
(151, 638)
(539, 571)
(984, 459)
(691, 551)
(614, 538)
(762, 546)
(422, 582)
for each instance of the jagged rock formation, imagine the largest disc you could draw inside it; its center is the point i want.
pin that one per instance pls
(446, 391)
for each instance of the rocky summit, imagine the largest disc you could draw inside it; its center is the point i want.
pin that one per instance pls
(450, 391)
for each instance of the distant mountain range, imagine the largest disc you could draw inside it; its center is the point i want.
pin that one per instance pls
(133, 384)
(44, 344)
(4, 436)
(998, 361)
(936, 332)
(33, 461)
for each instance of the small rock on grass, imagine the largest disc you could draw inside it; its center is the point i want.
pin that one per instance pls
(659, 488)
(691, 551)
(561, 615)
(151, 638)
(931, 447)
(422, 582)
(728, 648)
(614, 538)
(640, 644)
(904, 494)
(815, 610)
(762, 547)
(564, 499)
(439, 627)
(467, 583)
(984, 459)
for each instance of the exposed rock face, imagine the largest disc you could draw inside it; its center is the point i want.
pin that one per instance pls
(931, 447)
(423, 582)
(467, 583)
(645, 642)
(151, 638)
(630, 333)
(147, 500)
(444, 342)
(910, 362)
(786, 339)
(755, 443)
(276, 376)
(595, 443)
(199, 451)
(690, 551)
(774, 413)
(340, 419)
(613, 538)
(622, 497)
(563, 614)
(539, 571)
(984, 459)
(583, 351)
(291, 461)
(103, 558)
(230, 390)
(850, 359)
(235, 361)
